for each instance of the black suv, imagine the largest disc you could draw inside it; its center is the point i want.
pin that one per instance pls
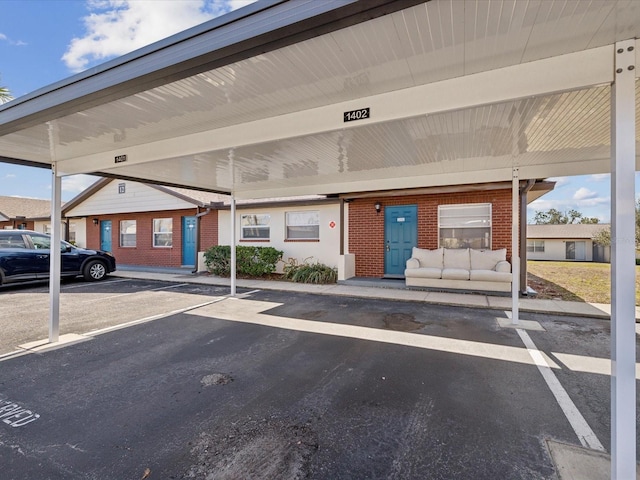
(24, 256)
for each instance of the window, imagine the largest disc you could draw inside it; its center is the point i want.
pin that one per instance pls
(127, 233)
(162, 232)
(255, 226)
(535, 246)
(465, 226)
(40, 242)
(303, 225)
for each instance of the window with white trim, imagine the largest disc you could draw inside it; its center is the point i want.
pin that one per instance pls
(162, 232)
(128, 233)
(535, 246)
(255, 226)
(465, 226)
(303, 225)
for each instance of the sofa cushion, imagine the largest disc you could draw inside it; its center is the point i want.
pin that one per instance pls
(455, 274)
(490, 276)
(428, 258)
(423, 272)
(486, 259)
(457, 258)
(503, 267)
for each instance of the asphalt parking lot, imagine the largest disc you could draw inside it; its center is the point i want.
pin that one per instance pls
(280, 385)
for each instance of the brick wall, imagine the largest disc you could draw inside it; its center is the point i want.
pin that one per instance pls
(366, 228)
(144, 253)
(12, 224)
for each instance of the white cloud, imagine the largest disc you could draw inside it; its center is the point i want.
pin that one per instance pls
(116, 27)
(18, 43)
(584, 194)
(9, 175)
(77, 183)
(599, 177)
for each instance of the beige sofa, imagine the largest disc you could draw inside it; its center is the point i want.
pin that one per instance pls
(464, 268)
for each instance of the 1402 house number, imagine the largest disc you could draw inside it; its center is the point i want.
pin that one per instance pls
(360, 114)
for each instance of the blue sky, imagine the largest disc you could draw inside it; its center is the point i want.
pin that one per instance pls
(43, 41)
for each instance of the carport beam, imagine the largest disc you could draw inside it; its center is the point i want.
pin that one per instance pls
(55, 257)
(515, 245)
(233, 246)
(623, 333)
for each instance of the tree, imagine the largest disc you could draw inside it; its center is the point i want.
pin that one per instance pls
(5, 95)
(603, 236)
(556, 217)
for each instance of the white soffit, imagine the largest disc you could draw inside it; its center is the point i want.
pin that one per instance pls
(460, 91)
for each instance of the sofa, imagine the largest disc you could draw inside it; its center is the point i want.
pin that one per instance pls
(463, 268)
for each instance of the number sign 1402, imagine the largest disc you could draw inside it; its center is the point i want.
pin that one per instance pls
(359, 114)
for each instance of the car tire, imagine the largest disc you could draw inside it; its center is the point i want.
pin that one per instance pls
(94, 270)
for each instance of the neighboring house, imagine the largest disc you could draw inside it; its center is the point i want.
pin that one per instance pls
(23, 213)
(565, 242)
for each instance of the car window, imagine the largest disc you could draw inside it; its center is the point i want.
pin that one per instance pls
(12, 241)
(41, 242)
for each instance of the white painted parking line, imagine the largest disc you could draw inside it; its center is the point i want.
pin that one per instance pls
(580, 426)
(93, 333)
(102, 299)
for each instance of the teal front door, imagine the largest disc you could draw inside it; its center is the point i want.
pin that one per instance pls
(400, 236)
(105, 235)
(189, 232)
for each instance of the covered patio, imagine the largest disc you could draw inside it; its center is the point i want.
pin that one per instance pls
(286, 98)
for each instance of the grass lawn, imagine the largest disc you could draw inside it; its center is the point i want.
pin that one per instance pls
(573, 281)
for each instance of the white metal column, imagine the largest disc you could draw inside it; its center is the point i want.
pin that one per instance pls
(623, 333)
(233, 246)
(515, 246)
(55, 257)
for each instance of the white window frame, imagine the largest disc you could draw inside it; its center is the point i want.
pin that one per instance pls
(251, 223)
(295, 218)
(133, 234)
(535, 246)
(465, 224)
(157, 231)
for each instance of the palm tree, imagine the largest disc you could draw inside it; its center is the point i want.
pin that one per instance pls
(5, 95)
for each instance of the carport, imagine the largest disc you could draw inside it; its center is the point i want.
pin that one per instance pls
(294, 97)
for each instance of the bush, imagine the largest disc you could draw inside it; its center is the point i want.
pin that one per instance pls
(309, 272)
(250, 261)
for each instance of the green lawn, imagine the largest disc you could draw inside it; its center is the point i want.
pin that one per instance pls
(574, 281)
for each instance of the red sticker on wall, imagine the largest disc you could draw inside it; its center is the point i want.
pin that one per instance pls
(332, 224)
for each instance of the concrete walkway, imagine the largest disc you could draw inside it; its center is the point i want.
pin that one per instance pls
(355, 288)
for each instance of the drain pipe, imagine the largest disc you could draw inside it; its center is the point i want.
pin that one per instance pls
(523, 234)
(199, 215)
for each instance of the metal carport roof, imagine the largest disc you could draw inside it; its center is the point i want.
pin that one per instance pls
(456, 92)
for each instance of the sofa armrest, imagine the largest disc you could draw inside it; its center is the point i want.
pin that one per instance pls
(503, 266)
(413, 263)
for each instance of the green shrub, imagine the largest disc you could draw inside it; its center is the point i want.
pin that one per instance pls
(309, 272)
(250, 261)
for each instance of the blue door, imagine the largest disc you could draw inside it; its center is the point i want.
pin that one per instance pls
(400, 236)
(189, 232)
(105, 235)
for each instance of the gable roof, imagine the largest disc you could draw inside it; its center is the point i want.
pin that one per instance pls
(570, 230)
(29, 208)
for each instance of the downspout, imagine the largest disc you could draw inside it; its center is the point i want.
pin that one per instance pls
(199, 214)
(523, 234)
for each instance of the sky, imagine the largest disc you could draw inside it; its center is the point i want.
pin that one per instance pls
(44, 41)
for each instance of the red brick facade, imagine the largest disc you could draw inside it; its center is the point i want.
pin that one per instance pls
(366, 228)
(144, 253)
(16, 224)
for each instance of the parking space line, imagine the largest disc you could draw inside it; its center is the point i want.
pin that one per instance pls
(158, 316)
(580, 426)
(168, 287)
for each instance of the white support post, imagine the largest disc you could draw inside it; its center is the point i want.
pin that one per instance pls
(55, 257)
(623, 333)
(233, 246)
(515, 246)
